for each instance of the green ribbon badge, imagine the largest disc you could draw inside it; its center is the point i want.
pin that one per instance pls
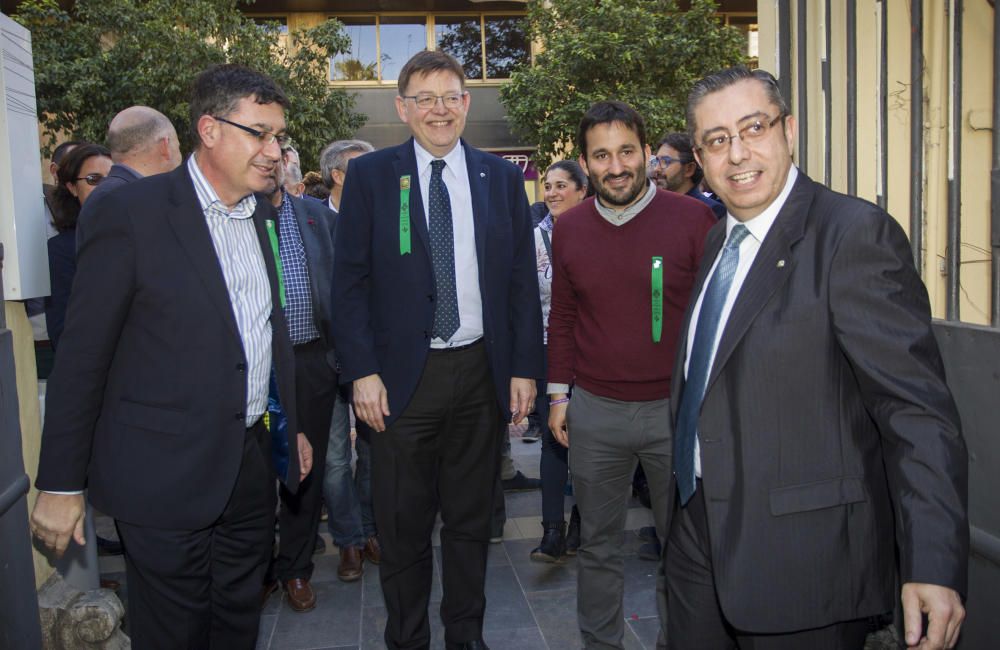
(657, 298)
(272, 235)
(404, 215)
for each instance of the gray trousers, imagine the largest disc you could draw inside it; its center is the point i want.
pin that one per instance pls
(607, 438)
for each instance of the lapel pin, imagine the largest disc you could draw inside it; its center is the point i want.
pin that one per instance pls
(781, 264)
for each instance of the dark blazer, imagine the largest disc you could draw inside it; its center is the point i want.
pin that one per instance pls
(384, 301)
(62, 267)
(828, 435)
(118, 175)
(317, 225)
(146, 402)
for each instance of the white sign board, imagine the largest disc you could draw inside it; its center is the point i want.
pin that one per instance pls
(22, 208)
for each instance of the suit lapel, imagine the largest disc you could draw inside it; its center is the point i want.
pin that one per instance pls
(479, 188)
(188, 223)
(405, 164)
(771, 269)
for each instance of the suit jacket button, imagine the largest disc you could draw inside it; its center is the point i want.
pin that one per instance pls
(239, 416)
(430, 297)
(241, 367)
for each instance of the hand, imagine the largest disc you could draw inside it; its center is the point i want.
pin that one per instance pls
(371, 401)
(944, 611)
(557, 420)
(57, 517)
(522, 398)
(305, 456)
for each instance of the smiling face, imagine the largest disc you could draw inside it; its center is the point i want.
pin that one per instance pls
(748, 178)
(436, 129)
(561, 192)
(235, 162)
(93, 165)
(616, 164)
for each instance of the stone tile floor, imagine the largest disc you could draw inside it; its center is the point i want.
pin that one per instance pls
(530, 605)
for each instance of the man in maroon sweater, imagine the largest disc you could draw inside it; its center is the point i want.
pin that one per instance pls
(623, 267)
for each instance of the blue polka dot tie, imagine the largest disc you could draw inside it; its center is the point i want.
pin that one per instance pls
(442, 239)
(700, 362)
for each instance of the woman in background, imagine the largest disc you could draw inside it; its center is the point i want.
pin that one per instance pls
(79, 173)
(565, 187)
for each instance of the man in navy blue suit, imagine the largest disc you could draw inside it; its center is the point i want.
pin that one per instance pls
(437, 323)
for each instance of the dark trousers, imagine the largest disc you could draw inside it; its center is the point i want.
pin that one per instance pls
(442, 452)
(553, 466)
(196, 589)
(298, 519)
(696, 620)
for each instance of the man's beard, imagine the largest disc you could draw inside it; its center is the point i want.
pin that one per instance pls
(623, 197)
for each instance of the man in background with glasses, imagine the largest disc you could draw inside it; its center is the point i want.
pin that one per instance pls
(815, 439)
(674, 169)
(437, 322)
(173, 333)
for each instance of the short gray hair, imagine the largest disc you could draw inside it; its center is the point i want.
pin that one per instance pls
(723, 79)
(138, 134)
(293, 174)
(335, 156)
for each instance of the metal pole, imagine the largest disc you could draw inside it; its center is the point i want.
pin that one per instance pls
(827, 100)
(917, 133)
(852, 98)
(800, 85)
(995, 177)
(883, 196)
(954, 261)
(785, 47)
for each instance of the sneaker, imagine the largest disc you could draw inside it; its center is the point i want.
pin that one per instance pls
(573, 532)
(533, 434)
(520, 483)
(552, 548)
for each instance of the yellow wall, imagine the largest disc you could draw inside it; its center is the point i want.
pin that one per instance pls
(27, 397)
(937, 87)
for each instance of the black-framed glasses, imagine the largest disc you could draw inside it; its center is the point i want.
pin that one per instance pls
(752, 132)
(666, 161)
(263, 137)
(91, 179)
(427, 102)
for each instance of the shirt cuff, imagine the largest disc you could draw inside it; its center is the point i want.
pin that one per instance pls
(553, 389)
(67, 492)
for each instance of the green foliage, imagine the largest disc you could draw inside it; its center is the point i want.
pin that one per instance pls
(642, 52)
(106, 55)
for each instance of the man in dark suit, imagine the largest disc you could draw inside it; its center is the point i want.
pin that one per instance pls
(143, 142)
(156, 401)
(438, 327)
(815, 437)
(305, 246)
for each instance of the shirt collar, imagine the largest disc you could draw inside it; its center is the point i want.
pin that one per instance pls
(453, 160)
(209, 200)
(329, 204)
(761, 224)
(548, 223)
(130, 169)
(626, 215)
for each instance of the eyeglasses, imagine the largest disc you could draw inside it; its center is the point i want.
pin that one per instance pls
(427, 102)
(263, 137)
(666, 161)
(92, 179)
(750, 133)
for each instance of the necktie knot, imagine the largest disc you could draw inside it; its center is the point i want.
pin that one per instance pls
(436, 167)
(736, 236)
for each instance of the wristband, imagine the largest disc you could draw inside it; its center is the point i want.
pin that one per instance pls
(558, 401)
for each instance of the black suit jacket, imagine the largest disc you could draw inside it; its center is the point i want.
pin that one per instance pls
(383, 301)
(118, 176)
(146, 402)
(828, 436)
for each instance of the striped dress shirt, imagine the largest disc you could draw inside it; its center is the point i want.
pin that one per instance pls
(242, 261)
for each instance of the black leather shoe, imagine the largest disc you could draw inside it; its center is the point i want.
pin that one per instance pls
(520, 483)
(553, 545)
(478, 644)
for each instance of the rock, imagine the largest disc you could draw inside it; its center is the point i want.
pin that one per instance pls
(80, 620)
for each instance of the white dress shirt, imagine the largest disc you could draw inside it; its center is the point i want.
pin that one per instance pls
(758, 227)
(470, 302)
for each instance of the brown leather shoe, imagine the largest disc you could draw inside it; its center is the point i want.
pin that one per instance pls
(300, 594)
(351, 564)
(372, 551)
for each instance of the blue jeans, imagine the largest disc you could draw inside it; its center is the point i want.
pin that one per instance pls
(347, 496)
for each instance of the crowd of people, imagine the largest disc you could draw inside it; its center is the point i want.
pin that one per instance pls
(760, 344)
